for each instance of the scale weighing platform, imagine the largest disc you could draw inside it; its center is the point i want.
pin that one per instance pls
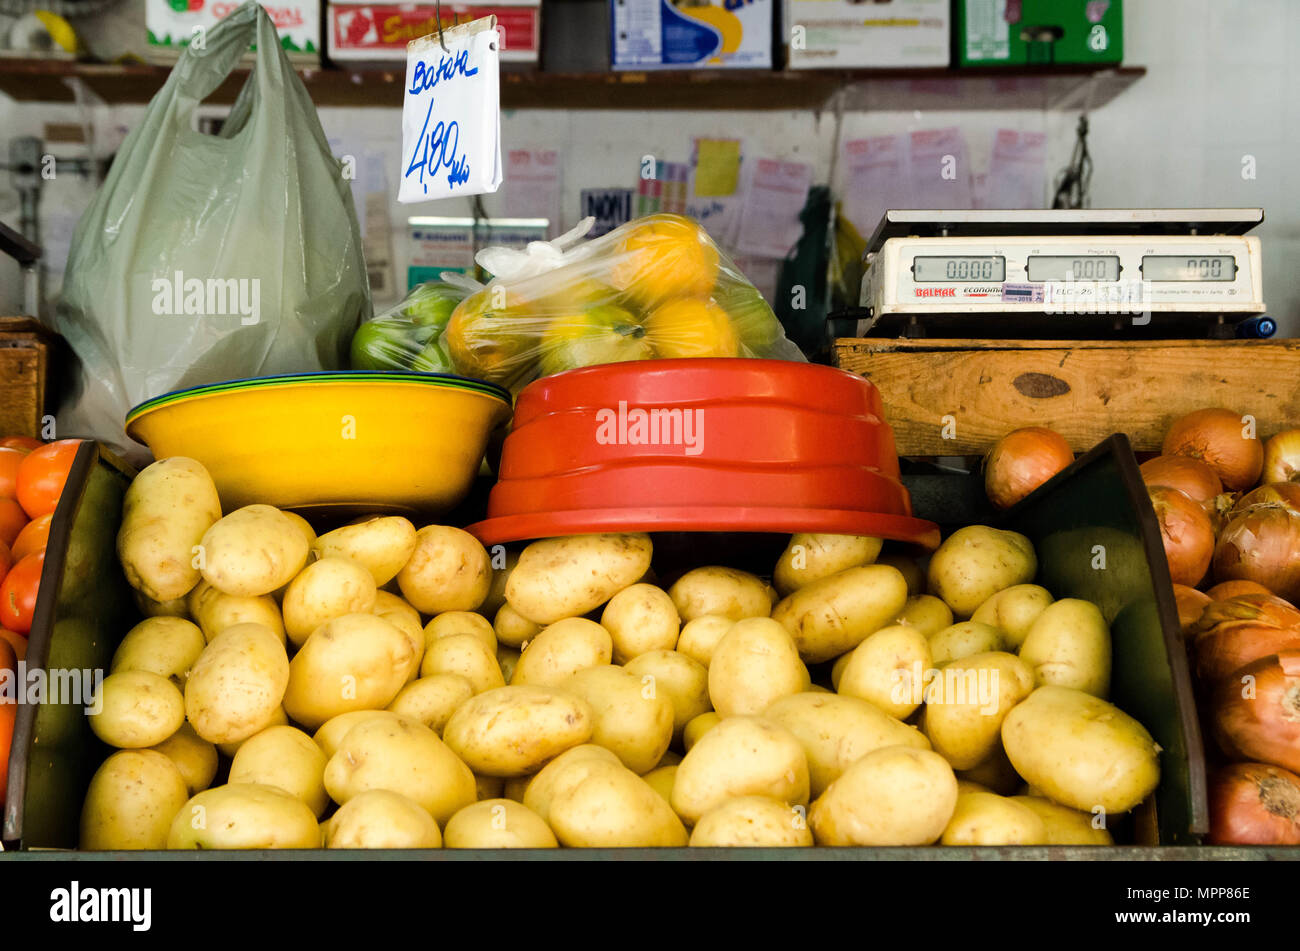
(1094, 273)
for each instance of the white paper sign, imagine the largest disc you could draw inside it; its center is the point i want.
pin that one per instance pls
(451, 115)
(769, 219)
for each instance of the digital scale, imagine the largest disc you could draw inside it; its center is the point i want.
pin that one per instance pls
(1069, 273)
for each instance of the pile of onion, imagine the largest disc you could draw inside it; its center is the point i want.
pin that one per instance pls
(1191, 603)
(1233, 633)
(1232, 589)
(1254, 804)
(1021, 461)
(1196, 478)
(1282, 457)
(1256, 711)
(1186, 532)
(1261, 540)
(1221, 439)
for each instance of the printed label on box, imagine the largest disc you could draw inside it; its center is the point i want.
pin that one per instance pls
(650, 34)
(374, 32)
(171, 23)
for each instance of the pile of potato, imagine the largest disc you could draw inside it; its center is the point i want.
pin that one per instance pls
(383, 687)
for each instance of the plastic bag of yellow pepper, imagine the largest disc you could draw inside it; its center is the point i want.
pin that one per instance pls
(654, 288)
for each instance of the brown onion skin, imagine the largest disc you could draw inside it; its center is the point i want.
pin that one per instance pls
(1215, 437)
(1279, 464)
(1256, 711)
(1233, 633)
(1231, 589)
(1186, 532)
(1021, 461)
(1198, 479)
(1261, 541)
(1190, 604)
(1254, 804)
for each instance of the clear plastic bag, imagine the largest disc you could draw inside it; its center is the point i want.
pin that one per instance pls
(408, 336)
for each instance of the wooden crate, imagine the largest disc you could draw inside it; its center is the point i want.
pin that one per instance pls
(24, 364)
(957, 397)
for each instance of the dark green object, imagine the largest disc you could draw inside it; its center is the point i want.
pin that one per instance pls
(1062, 32)
(801, 295)
(405, 337)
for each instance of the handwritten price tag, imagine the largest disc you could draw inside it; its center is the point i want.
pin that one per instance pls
(451, 114)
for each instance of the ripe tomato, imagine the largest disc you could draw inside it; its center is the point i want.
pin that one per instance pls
(42, 475)
(15, 640)
(8, 713)
(34, 536)
(9, 462)
(25, 443)
(12, 520)
(6, 560)
(18, 593)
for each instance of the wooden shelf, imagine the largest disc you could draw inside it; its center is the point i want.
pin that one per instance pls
(33, 80)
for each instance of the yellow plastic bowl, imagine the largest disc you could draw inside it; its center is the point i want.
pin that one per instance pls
(331, 442)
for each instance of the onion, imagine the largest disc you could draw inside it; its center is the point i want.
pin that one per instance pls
(1254, 804)
(1261, 541)
(1196, 478)
(1022, 461)
(1282, 457)
(1219, 438)
(1256, 711)
(1190, 605)
(1233, 633)
(1186, 531)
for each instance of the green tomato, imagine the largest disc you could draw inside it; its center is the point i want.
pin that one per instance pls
(389, 343)
(757, 327)
(433, 359)
(431, 304)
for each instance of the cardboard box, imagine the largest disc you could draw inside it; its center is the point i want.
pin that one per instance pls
(881, 34)
(1039, 32)
(360, 32)
(684, 34)
(170, 25)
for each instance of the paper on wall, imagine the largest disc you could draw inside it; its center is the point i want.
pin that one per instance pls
(1017, 175)
(877, 177)
(769, 216)
(940, 170)
(532, 186)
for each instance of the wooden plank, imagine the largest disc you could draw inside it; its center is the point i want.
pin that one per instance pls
(951, 398)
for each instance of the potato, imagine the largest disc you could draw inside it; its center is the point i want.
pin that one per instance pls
(961, 640)
(809, 558)
(661, 780)
(253, 551)
(286, 758)
(896, 795)
(835, 615)
(888, 670)
(131, 801)
(910, 570)
(983, 818)
(697, 727)
(967, 701)
(194, 756)
(1081, 751)
(237, 683)
(407, 620)
(498, 824)
(381, 819)
(753, 665)
(147, 606)
(836, 732)
(1065, 826)
(516, 730)
(244, 816)
(214, 611)
(330, 736)
(324, 590)
(640, 618)
(1068, 645)
(752, 821)
(1013, 611)
(303, 526)
(562, 649)
(513, 788)
(381, 545)
(166, 511)
(613, 807)
(837, 669)
(507, 660)
(994, 772)
(512, 629)
(670, 758)
(726, 592)
(976, 562)
(926, 613)
(699, 637)
(632, 718)
(463, 654)
(561, 773)
(432, 700)
(166, 646)
(448, 571)
(685, 682)
(352, 662)
(741, 756)
(503, 563)
(277, 717)
(137, 709)
(402, 756)
(449, 623)
(488, 787)
(558, 578)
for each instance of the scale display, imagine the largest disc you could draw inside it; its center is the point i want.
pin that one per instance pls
(1183, 267)
(1072, 267)
(950, 270)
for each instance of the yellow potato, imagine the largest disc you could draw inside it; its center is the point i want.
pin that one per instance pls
(286, 758)
(697, 727)
(909, 568)
(640, 618)
(277, 717)
(330, 736)
(512, 629)
(699, 637)
(995, 773)
(631, 717)
(448, 571)
(237, 683)
(835, 732)
(432, 700)
(516, 730)
(324, 590)
(381, 545)
(670, 758)
(963, 639)
(829, 617)
(809, 558)
(166, 646)
(897, 796)
(381, 819)
(976, 562)
(685, 682)
(253, 551)
(147, 606)
(449, 623)
(402, 756)
(214, 611)
(353, 662)
(967, 701)
(131, 801)
(513, 788)
(661, 780)
(508, 660)
(726, 592)
(926, 613)
(1081, 751)
(1013, 611)
(562, 649)
(488, 787)
(137, 709)
(498, 824)
(561, 773)
(407, 620)
(613, 807)
(837, 669)
(558, 578)
(741, 756)
(888, 670)
(244, 816)
(1068, 645)
(755, 664)
(303, 526)
(984, 818)
(166, 511)
(463, 654)
(194, 756)
(749, 821)
(1065, 826)
(503, 563)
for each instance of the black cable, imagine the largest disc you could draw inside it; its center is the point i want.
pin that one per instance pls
(1075, 180)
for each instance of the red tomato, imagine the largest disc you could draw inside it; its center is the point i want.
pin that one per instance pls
(13, 519)
(18, 593)
(34, 536)
(6, 560)
(10, 459)
(42, 475)
(15, 640)
(8, 713)
(25, 443)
